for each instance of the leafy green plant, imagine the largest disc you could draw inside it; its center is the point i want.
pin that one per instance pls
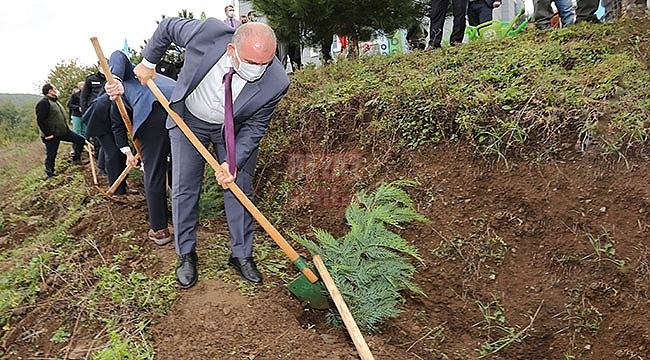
(125, 346)
(494, 319)
(61, 335)
(498, 139)
(368, 263)
(211, 200)
(603, 246)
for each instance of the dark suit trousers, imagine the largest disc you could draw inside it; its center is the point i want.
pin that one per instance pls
(52, 148)
(478, 12)
(438, 10)
(114, 160)
(187, 182)
(154, 144)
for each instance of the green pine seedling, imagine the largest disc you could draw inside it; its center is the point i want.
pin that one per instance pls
(369, 264)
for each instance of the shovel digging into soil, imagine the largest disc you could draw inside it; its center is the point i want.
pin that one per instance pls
(306, 286)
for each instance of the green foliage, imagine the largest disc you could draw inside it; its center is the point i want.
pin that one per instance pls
(311, 21)
(368, 264)
(134, 290)
(61, 335)
(126, 347)
(17, 120)
(19, 285)
(494, 319)
(529, 93)
(211, 200)
(66, 75)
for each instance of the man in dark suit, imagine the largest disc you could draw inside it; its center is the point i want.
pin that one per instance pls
(149, 129)
(230, 17)
(438, 14)
(258, 84)
(480, 11)
(97, 118)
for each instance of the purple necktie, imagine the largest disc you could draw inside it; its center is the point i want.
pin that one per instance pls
(229, 122)
(232, 23)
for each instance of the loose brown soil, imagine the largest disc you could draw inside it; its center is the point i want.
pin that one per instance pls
(519, 236)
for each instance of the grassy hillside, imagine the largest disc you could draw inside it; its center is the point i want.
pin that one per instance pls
(19, 99)
(534, 95)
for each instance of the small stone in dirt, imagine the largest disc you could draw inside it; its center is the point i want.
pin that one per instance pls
(328, 339)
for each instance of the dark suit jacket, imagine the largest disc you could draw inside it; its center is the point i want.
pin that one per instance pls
(97, 117)
(253, 108)
(136, 96)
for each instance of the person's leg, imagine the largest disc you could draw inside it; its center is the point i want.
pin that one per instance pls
(101, 165)
(51, 148)
(114, 160)
(154, 144)
(295, 56)
(473, 13)
(281, 53)
(458, 28)
(187, 182)
(484, 12)
(240, 221)
(565, 10)
(543, 14)
(437, 16)
(77, 141)
(586, 11)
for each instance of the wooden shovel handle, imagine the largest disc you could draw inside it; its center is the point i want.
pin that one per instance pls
(120, 103)
(270, 229)
(342, 307)
(90, 149)
(119, 179)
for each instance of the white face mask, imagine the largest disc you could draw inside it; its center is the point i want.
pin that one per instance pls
(231, 13)
(249, 72)
(57, 93)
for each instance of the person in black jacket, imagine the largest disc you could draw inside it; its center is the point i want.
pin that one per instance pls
(93, 87)
(74, 107)
(52, 122)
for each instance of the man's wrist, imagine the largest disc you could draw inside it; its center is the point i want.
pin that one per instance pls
(148, 64)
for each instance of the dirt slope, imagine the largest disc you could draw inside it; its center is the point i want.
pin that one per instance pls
(520, 237)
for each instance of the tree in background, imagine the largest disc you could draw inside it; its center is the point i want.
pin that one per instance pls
(172, 61)
(17, 120)
(66, 75)
(358, 20)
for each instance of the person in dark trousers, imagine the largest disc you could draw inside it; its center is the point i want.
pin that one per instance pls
(149, 130)
(214, 50)
(586, 11)
(480, 11)
(74, 107)
(93, 87)
(53, 122)
(98, 118)
(438, 13)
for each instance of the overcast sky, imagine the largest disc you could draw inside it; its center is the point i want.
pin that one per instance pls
(36, 35)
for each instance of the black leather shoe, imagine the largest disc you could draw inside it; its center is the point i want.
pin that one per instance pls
(247, 269)
(186, 270)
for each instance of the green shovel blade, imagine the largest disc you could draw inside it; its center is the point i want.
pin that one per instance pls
(315, 294)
